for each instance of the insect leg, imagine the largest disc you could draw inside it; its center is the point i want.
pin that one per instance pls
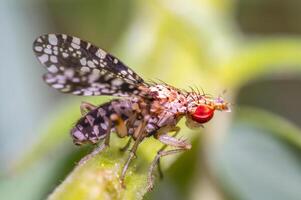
(86, 107)
(139, 132)
(177, 130)
(181, 145)
(126, 146)
(160, 154)
(98, 149)
(172, 141)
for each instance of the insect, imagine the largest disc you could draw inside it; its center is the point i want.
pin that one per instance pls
(142, 110)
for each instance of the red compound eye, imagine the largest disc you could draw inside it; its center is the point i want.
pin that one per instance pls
(202, 114)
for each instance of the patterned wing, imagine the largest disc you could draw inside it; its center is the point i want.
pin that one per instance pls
(78, 67)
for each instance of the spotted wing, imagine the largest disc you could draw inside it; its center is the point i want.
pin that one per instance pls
(78, 67)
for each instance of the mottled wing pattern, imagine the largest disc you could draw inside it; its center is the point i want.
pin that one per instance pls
(78, 67)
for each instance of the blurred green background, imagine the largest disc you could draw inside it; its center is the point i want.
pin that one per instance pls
(250, 48)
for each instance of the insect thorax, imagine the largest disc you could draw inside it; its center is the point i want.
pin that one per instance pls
(168, 107)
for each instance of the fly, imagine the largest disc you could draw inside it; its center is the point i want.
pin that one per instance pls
(143, 109)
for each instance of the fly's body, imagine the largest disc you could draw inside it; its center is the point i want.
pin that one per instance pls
(164, 109)
(143, 109)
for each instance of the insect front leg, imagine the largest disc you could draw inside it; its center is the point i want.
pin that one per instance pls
(100, 148)
(181, 145)
(86, 107)
(176, 129)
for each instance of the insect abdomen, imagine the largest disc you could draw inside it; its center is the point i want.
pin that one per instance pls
(93, 126)
(98, 122)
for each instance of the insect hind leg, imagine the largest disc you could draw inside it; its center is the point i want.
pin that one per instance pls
(86, 107)
(96, 151)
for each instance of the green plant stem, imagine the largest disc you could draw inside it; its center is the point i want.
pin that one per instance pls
(98, 178)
